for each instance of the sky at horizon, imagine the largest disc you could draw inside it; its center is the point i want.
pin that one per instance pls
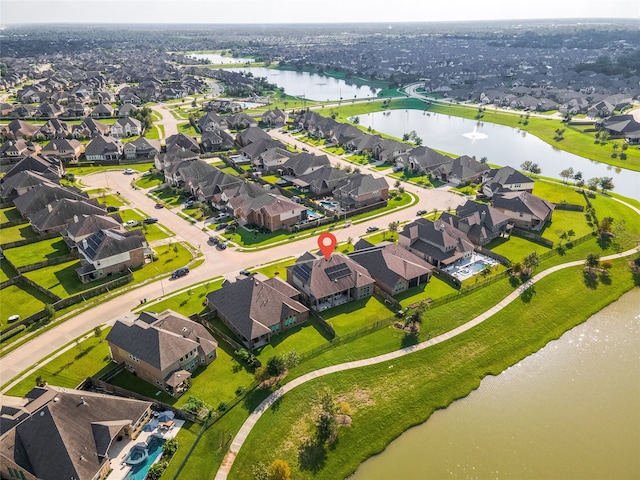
(21, 12)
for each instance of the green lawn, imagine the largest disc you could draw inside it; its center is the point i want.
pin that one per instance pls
(359, 159)
(16, 233)
(276, 269)
(187, 129)
(446, 371)
(150, 181)
(555, 192)
(301, 338)
(88, 167)
(21, 299)
(130, 214)
(132, 382)
(37, 252)
(112, 200)
(62, 280)
(354, 315)
(435, 289)
(169, 257)
(563, 221)
(188, 302)
(9, 214)
(171, 196)
(230, 171)
(515, 248)
(154, 232)
(71, 368)
(6, 272)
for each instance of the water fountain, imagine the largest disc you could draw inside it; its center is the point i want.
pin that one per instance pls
(475, 135)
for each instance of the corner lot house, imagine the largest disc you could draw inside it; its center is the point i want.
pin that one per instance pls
(162, 349)
(58, 433)
(329, 283)
(525, 210)
(255, 309)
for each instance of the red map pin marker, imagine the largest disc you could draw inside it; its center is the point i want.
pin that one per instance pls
(327, 243)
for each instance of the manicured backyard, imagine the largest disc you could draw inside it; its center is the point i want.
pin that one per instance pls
(357, 314)
(37, 252)
(150, 181)
(168, 258)
(17, 233)
(21, 299)
(10, 214)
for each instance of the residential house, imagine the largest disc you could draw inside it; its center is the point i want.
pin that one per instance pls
(241, 121)
(57, 215)
(253, 151)
(103, 148)
(55, 433)
(211, 122)
(180, 141)
(141, 148)
(601, 109)
(274, 118)
(35, 199)
(326, 283)
(422, 160)
(126, 109)
(102, 110)
(269, 211)
(393, 268)
(48, 167)
(388, 150)
(126, 127)
(360, 190)
(15, 150)
(95, 127)
(63, 149)
(19, 129)
(439, 242)
(459, 170)
(54, 128)
(216, 141)
(162, 349)
(303, 164)
(479, 221)
(251, 135)
(524, 209)
(621, 126)
(86, 225)
(345, 133)
(322, 181)
(106, 252)
(256, 308)
(505, 179)
(21, 183)
(75, 110)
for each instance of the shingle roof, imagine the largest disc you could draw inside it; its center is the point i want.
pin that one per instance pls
(37, 198)
(89, 224)
(62, 213)
(108, 243)
(523, 202)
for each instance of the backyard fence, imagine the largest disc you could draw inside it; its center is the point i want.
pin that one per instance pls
(13, 223)
(570, 207)
(47, 263)
(205, 320)
(534, 237)
(323, 323)
(496, 256)
(93, 292)
(27, 241)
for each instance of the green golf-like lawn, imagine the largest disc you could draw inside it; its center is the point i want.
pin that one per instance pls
(37, 252)
(10, 214)
(17, 233)
(21, 299)
(357, 314)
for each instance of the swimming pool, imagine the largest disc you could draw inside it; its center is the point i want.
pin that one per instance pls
(313, 215)
(154, 449)
(469, 267)
(329, 205)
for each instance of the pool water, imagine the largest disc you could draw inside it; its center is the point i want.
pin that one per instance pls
(329, 205)
(139, 472)
(313, 215)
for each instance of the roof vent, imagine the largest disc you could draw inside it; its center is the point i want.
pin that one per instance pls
(82, 401)
(49, 207)
(56, 399)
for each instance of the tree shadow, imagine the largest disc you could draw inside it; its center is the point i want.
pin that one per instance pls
(604, 242)
(275, 406)
(590, 280)
(312, 456)
(514, 281)
(528, 294)
(605, 278)
(409, 339)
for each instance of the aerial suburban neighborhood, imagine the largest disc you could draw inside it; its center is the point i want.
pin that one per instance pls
(233, 252)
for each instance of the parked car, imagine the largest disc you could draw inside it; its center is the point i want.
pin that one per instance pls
(421, 212)
(188, 203)
(13, 318)
(129, 171)
(111, 209)
(131, 223)
(159, 205)
(150, 220)
(181, 272)
(222, 226)
(305, 149)
(372, 229)
(220, 216)
(222, 245)
(245, 272)
(397, 168)
(213, 239)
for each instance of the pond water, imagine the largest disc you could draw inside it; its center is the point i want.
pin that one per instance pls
(218, 59)
(501, 145)
(311, 85)
(569, 411)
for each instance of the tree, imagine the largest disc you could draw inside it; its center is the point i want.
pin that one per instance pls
(276, 366)
(592, 183)
(606, 183)
(291, 359)
(169, 447)
(577, 176)
(279, 470)
(393, 226)
(605, 226)
(483, 159)
(530, 262)
(593, 260)
(98, 334)
(529, 166)
(326, 424)
(260, 471)
(566, 173)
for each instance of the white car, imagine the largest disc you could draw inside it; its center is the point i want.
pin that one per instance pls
(129, 171)
(131, 223)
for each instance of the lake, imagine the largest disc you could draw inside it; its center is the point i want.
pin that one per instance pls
(218, 59)
(501, 145)
(569, 411)
(311, 85)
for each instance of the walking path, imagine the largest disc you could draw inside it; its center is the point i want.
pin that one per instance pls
(253, 418)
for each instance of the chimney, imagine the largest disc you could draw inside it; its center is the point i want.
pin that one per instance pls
(49, 207)
(75, 219)
(85, 244)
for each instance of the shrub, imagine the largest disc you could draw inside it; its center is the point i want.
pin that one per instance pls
(276, 366)
(170, 447)
(10, 333)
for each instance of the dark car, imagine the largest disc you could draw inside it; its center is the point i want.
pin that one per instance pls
(222, 226)
(159, 205)
(111, 209)
(150, 220)
(214, 240)
(181, 272)
(246, 272)
(421, 212)
(222, 245)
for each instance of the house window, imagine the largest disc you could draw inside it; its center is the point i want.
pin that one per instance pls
(275, 328)
(134, 358)
(290, 321)
(210, 354)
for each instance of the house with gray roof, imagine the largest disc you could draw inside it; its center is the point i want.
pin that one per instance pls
(103, 148)
(394, 269)
(251, 135)
(35, 199)
(322, 181)
(102, 110)
(328, 283)
(274, 118)
(216, 141)
(109, 251)
(459, 170)
(304, 163)
(60, 433)
(180, 141)
(360, 190)
(162, 348)
(479, 221)
(622, 126)
(422, 160)
(505, 179)
(55, 216)
(126, 127)
(48, 167)
(63, 149)
(141, 148)
(269, 211)
(524, 209)
(211, 122)
(439, 242)
(84, 226)
(256, 308)
(18, 129)
(21, 183)
(14, 150)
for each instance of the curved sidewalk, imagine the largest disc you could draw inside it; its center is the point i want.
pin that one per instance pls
(253, 418)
